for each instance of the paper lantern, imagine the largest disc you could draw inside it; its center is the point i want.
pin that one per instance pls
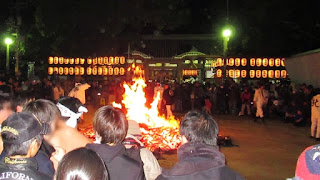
(258, 73)
(244, 62)
(76, 70)
(100, 60)
(271, 74)
(71, 61)
(283, 74)
(231, 73)
(252, 62)
(227, 73)
(122, 71)
(283, 62)
(259, 62)
(50, 61)
(243, 73)
(82, 60)
(66, 70)
(271, 62)
(60, 60)
(264, 73)
(219, 73)
(77, 60)
(61, 70)
(237, 62)
(277, 73)
(95, 71)
(110, 70)
(50, 69)
(89, 71)
(237, 73)
(122, 60)
(278, 62)
(105, 71)
(231, 62)
(252, 73)
(81, 70)
(219, 62)
(116, 60)
(105, 60)
(100, 70)
(71, 70)
(55, 60)
(116, 71)
(55, 70)
(66, 61)
(111, 60)
(89, 61)
(265, 62)
(95, 61)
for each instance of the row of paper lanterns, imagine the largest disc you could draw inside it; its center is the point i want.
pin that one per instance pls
(105, 71)
(90, 61)
(253, 73)
(253, 62)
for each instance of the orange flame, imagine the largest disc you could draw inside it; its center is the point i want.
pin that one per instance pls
(161, 132)
(157, 131)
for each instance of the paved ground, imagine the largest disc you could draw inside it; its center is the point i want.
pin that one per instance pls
(266, 151)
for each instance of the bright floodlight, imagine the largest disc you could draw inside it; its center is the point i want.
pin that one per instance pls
(8, 41)
(226, 33)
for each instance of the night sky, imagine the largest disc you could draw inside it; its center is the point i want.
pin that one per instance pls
(88, 28)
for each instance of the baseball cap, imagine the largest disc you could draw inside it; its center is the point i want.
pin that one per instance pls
(308, 165)
(24, 126)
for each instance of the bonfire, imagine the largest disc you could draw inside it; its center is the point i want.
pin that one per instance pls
(158, 132)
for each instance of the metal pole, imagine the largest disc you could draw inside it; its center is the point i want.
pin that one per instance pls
(7, 62)
(225, 55)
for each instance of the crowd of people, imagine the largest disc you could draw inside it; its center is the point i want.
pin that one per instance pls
(40, 139)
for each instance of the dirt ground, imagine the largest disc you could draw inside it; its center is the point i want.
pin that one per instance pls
(266, 151)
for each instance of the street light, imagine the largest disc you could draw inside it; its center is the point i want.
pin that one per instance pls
(8, 41)
(226, 33)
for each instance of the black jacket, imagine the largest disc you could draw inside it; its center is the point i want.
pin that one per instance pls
(46, 166)
(20, 169)
(119, 164)
(200, 162)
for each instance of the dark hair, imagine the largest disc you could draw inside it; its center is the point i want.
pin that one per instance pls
(199, 127)
(17, 149)
(22, 99)
(43, 109)
(111, 124)
(5, 100)
(81, 164)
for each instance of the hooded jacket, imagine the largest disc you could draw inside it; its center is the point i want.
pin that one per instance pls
(200, 162)
(119, 164)
(24, 168)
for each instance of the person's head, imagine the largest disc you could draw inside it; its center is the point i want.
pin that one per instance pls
(21, 100)
(245, 89)
(308, 163)
(71, 110)
(22, 134)
(299, 112)
(81, 164)
(199, 127)
(5, 107)
(44, 110)
(261, 86)
(110, 124)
